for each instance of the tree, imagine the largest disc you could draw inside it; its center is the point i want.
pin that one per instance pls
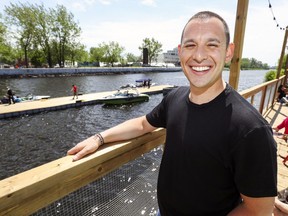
(112, 52)
(97, 54)
(154, 48)
(252, 63)
(23, 18)
(76, 51)
(131, 57)
(65, 30)
(44, 31)
(6, 50)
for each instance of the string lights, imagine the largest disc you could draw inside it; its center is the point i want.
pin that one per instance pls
(274, 18)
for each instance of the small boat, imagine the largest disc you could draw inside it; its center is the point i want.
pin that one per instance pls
(27, 98)
(124, 97)
(31, 97)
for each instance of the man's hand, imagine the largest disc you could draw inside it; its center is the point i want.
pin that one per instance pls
(84, 148)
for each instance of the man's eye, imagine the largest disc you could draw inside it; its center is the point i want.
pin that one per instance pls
(213, 45)
(189, 45)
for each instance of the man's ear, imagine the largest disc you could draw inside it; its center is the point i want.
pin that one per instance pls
(179, 49)
(229, 52)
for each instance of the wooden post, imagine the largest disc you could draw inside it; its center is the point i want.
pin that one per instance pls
(286, 70)
(242, 9)
(281, 62)
(282, 54)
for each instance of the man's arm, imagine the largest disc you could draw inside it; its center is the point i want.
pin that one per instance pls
(254, 206)
(126, 130)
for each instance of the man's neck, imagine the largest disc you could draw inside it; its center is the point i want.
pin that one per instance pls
(201, 96)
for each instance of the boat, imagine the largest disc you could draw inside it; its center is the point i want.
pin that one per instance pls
(122, 97)
(27, 98)
(31, 97)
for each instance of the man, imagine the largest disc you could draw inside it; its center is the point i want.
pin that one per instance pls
(10, 96)
(75, 91)
(220, 155)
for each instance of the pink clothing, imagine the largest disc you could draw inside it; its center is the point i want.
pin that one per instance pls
(284, 124)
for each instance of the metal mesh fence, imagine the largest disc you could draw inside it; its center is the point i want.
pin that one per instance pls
(129, 190)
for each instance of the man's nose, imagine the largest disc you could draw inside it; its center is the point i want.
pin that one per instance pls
(200, 54)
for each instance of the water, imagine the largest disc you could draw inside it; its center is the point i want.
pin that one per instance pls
(30, 141)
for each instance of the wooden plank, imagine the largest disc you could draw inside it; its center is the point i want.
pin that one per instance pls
(29, 191)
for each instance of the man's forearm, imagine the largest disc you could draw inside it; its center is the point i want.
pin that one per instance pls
(127, 130)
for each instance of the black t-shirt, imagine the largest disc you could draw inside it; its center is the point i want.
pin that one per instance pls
(213, 152)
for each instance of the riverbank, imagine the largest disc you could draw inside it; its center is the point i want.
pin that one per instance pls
(54, 72)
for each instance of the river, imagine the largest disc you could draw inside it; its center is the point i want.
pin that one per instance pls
(29, 141)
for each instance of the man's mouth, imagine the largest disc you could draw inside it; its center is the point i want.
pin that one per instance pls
(201, 69)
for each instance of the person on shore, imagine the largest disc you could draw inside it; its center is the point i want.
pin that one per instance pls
(149, 83)
(283, 124)
(220, 154)
(10, 96)
(282, 91)
(74, 89)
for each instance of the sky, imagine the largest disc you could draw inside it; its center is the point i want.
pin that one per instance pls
(128, 22)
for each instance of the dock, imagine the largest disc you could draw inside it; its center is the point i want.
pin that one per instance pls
(60, 103)
(275, 116)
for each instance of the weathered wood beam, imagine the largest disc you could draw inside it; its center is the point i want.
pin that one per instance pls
(240, 25)
(282, 55)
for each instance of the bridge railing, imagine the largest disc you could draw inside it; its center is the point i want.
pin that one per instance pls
(27, 192)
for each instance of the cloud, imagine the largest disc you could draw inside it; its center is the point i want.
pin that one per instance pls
(105, 2)
(83, 5)
(149, 3)
(130, 34)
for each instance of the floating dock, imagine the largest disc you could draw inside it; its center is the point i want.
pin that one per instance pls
(60, 103)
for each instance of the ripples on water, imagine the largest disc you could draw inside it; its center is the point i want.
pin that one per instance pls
(30, 141)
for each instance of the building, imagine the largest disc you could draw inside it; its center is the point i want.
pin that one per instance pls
(171, 56)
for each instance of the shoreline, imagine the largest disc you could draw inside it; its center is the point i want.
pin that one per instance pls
(54, 72)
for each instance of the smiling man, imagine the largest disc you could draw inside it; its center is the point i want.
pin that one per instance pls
(220, 154)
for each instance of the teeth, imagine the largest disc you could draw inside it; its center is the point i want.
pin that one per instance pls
(200, 68)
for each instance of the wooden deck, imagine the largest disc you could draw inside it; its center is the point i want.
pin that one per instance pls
(275, 117)
(51, 104)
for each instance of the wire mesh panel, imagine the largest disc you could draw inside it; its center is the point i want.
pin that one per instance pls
(129, 190)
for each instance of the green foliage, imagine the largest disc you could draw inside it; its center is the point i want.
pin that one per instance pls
(131, 57)
(113, 52)
(284, 62)
(52, 32)
(22, 17)
(6, 50)
(154, 48)
(271, 75)
(107, 52)
(252, 63)
(97, 54)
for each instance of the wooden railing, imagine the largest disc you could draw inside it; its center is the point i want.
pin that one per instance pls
(34, 189)
(265, 93)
